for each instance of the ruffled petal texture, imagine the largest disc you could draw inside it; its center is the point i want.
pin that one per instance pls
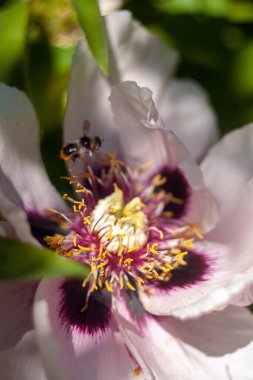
(215, 334)
(75, 342)
(145, 142)
(24, 182)
(134, 56)
(160, 354)
(225, 339)
(183, 104)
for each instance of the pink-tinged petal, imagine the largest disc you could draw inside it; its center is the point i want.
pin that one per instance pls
(144, 140)
(204, 285)
(75, 342)
(244, 297)
(23, 178)
(183, 104)
(235, 229)
(87, 100)
(135, 51)
(23, 361)
(226, 338)
(16, 299)
(185, 110)
(138, 125)
(228, 276)
(160, 353)
(228, 165)
(89, 90)
(216, 334)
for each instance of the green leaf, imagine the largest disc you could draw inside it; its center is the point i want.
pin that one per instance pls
(93, 27)
(24, 261)
(13, 26)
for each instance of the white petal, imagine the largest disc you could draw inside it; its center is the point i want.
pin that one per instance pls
(228, 165)
(185, 110)
(204, 285)
(87, 100)
(68, 351)
(212, 347)
(137, 54)
(226, 338)
(24, 179)
(140, 56)
(89, 90)
(23, 361)
(231, 276)
(16, 300)
(166, 357)
(235, 228)
(218, 333)
(144, 140)
(245, 296)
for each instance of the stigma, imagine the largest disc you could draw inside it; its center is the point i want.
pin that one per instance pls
(120, 226)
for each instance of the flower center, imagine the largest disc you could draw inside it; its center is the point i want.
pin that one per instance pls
(123, 236)
(119, 225)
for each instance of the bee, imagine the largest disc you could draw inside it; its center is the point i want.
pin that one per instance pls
(84, 145)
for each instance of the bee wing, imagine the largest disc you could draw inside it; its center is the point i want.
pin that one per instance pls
(86, 127)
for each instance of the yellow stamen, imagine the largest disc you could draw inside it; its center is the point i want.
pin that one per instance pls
(74, 240)
(130, 286)
(121, 282)
(195, 228)
(87, 249)
(102, 264)
(100, 283)
(86, 220)
(133, 249)
(108, 286)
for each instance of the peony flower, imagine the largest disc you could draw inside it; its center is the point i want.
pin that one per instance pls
(167, 265)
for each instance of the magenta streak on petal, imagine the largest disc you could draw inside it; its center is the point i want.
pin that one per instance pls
(178, 185)
(196, 270)
(95, 319)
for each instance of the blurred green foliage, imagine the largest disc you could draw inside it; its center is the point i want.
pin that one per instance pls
(214, 38)
(25, 261)
(92, 24)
